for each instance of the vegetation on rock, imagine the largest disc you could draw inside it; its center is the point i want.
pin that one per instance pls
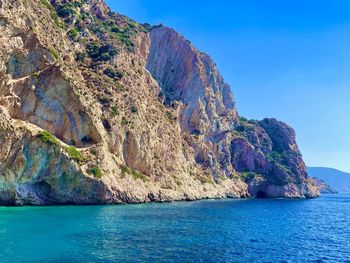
(100, 52)
(74, 154)
(248, 176)
(47, 137)
(113, 73)
(95, 171)
(135, 174)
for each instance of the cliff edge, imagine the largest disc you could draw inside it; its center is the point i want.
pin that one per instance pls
(96, 108)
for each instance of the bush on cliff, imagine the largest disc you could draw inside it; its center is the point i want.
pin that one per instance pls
(242, 119)
(248, 176)
(135, 174)
(73, 34)
(114, 111)
(80, 56)
(95, 171)
(65, 11)
(170, 116)
(100, 52)
(47, 137)
(74, 154)
(113, 73)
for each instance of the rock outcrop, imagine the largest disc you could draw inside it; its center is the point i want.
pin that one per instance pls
(95, 108)
(265, 151)
(323, 187)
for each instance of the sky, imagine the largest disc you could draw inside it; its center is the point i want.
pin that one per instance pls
(286, 59)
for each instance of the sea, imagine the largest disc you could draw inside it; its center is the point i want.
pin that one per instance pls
(229, 230)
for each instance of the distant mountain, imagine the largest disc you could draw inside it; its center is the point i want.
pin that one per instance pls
(338, 180)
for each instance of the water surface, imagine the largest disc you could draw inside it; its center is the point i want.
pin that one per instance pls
(263, 230)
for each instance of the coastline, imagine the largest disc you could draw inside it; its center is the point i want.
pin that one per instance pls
(169, 201)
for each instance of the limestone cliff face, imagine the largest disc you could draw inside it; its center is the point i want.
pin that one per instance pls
(191, 83)
(265, 152)
(95, 108)
(190, 77)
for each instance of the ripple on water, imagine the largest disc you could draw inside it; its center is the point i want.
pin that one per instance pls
(207, 231)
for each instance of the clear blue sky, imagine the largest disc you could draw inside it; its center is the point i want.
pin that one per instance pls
(287, 59)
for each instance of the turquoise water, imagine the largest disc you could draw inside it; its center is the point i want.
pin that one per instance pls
(206, 231)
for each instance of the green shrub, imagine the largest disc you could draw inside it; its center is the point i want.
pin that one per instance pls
(73, 34)
(95, 171)
(68, 8)
(170, 116)
(204, 179)
(124, 39)
(48, 5)
(146, 27)
(74, 154)
(135, 174)
(65, 11)
(54, 15)
(252, 121)
(125, 121)
(100, 53)
(247, 176)
(93, 151)
(122, 33)
(115, 29)
(241, 128)
(275, 157)
(93, 49)
(114, 111)
(81, 17)
(105, 56)
(54, 53)
(284, 168)
(47, 137)
(242, 119)
(113, 73)
(124, 169)
(119, 86)
(80, 56)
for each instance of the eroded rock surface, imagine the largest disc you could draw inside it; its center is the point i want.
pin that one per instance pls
(223, 142)
(95, 108)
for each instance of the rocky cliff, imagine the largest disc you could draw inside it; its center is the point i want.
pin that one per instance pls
(96, 108)
(323, 187)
